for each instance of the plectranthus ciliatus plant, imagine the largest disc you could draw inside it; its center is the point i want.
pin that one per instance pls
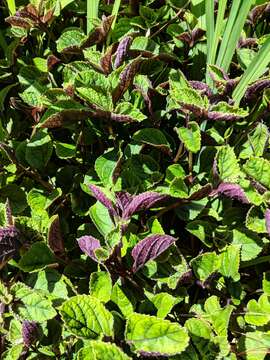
(134, 180)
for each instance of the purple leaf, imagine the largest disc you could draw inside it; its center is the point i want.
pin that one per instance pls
(233, 191)
(150, 248)
(88, 244)
(30, 332)
(202, 87)
(142, 202)
(8, 213)
(122, 51)
(126, 78)
(254, 90)
(55, 239)
(267, 220)
(123, 199)
(9, 243)
(101, 197)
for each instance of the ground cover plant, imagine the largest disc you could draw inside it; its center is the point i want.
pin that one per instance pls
(134, 179)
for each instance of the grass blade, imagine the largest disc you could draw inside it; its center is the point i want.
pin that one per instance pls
(234, 26)
(115, 11)
(228, 30)
(218, 28)
(210, 26)
(11, 6)
(92, 13)
(255, 69)
(236, 33)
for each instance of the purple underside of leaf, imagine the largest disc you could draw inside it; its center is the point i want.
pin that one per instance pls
(199, 85)
(88, 244)
(256, 88)
(123, 199)
(150, 248)
(122, 51)
(267, 220)
(30, 332)
(101, 197)
(148, 354)
(233, 191)
(143, 201)
(216, 115)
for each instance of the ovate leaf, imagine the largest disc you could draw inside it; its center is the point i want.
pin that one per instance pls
(228, 167)
(204, 265)
(98, 350)
(150, 248)
(36, 258)
(87, 317)
(153, 137)
(153, 336)
(190, 136)
(258, 312)
(258, 169)
(230, 262)
(255, 220)
(39, 150)
(101, 285)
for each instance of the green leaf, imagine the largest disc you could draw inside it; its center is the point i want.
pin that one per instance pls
(36, 258)
(266, 283)
(203, 230)
(228, 167)
(120, 298)
(13, 353)
(190, 136)
(255, 345)
(153, 137)
(204, 265)
(259, 170)
(105, 166)
(5, 297)
(50, 282)
(189, 98)
(101, 285)
(163, 302)
(224, 111)
(39, 150)
(258, 312)
(3, 94)
(70, 38)
(126, 108)
(230, 262)
(251, 244)
(16, 197)
(151, 335)
(65, 151)
(35, 306)
(256, 143)
(98, 350)
(101, 218)
(87, 317)
(219, 317)
(94, 97)
(199, 328)
(255, 220)
(178, 188)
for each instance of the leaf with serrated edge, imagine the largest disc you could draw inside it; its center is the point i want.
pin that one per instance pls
(150, 335)
(87, 317)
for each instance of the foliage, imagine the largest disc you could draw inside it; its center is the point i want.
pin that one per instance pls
(134, 179)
